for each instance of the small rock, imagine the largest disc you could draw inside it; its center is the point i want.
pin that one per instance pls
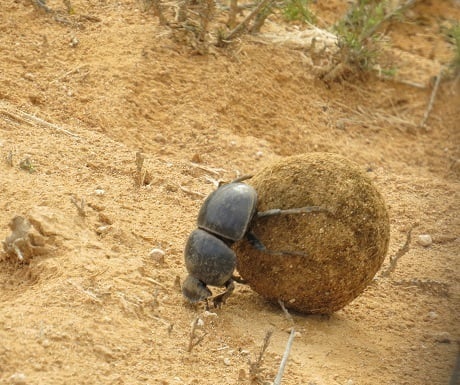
(18, 379)
(227, 361)
(443, 338)
(29, 76)
(425, 240)
(74, 41)
(99, 191)
(432, 315)
(103, 229)
(157, 255)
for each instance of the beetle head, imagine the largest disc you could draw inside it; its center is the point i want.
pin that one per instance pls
(195, 290)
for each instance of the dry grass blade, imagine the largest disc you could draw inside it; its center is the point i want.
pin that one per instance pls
(287, 351)
(24, 117)
(255, 367)
(432, 99)
(195, 339)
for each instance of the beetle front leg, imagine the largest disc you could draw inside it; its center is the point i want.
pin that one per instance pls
(221, 298)
(298, 210)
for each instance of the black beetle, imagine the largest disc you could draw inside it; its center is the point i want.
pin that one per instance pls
(224, 218)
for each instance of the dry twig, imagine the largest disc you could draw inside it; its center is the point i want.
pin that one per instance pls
(244, 24)
(287, 351)
(432, 98)
(255, 368)
(192, 193)
(394, 259)
(286, 313)
(141, 172)
(194, 338)
(79, 205)
(24, 117)
(211, 170)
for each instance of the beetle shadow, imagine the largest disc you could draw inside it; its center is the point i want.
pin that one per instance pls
(248, 300)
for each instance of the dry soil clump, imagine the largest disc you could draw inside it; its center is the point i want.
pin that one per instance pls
(344, 247)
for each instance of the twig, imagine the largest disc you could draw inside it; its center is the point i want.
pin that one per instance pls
(286, 313)
(140, 172)
(194, 339)
(432, 98)
(18, 252)
(394, 259)
(82, 290)
(41, 4)
(212, 170)
(190, 192)
(279, 376)
(243, 25)
(255, 367)
(72, 71)
(27, 118)
(154, 281)
(80, 206)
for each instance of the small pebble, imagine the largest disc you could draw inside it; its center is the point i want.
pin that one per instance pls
(432, 315)
(103, 229)
(227, 361)
(199, 323)
(157, 255)
(443, 338)
(18, 378)
(99, 191)
(425, 240)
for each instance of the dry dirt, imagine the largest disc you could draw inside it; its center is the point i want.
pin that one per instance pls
(108, 81)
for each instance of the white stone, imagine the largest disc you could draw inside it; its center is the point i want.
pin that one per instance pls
(425, 240)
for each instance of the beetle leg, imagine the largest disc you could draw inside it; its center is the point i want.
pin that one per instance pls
(257, 244)
(195, 290)
(298, 210)
(239, 280)
(221, 298)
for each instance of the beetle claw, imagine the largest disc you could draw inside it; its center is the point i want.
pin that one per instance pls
(220, 299)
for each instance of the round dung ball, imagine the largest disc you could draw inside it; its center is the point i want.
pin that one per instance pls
(329, 257)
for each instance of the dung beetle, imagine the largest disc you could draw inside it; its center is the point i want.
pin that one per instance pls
(224, 218)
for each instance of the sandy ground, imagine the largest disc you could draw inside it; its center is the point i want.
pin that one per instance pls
(80, 94)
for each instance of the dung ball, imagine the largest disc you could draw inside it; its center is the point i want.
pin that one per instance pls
(337, 252)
